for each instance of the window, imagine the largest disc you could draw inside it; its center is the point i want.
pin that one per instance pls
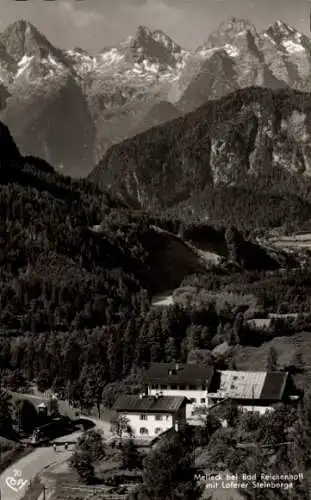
(157, 430)
(182, 387)
(159, 417)
(202, 400)
(173, 386)
(193, 400)
(192, 387)
(163, 386)
(143, 430)
(143, 417)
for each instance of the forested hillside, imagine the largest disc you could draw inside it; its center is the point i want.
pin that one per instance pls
(78, 269)
(246, 208)
(220, 161)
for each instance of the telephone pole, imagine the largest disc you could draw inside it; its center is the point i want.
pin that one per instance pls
(253, 398)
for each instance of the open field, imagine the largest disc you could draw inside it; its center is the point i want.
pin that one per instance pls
(291, 242)
(255, 358)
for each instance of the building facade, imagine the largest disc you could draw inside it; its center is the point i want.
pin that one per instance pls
(205, 387)
(249, 390)
(189, 380)
(149, 416)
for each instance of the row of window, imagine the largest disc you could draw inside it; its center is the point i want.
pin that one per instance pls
(202, 400)
(144, 430)
(157, 417)
(180, 387)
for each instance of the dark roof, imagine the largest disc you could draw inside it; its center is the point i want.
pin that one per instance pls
(274, 385)
(159, 373)
(151, 404)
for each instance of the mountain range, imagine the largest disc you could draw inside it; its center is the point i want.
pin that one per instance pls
(221, 160)
(56, 98)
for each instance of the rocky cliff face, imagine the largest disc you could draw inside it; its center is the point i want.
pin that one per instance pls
(250, 133)
(52, 120)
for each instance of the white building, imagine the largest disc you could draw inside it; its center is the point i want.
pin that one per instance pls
(204, 387)
(249, 390)
(149, 416)
(189, 380)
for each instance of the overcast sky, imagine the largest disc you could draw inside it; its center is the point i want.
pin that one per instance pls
(93, 24)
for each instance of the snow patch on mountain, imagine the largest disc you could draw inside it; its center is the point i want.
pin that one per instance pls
(23, 65)
(205, 52)
(266, 35)
(292, 47)
(231, 50)
(32, 68)
(113, 56)
(81, 61)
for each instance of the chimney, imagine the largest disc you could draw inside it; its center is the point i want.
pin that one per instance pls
(177, 366)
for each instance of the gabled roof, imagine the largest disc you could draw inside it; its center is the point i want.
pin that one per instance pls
(149, 404)
(265, 386)
(241, 384)
(274, 386)
(187, 373)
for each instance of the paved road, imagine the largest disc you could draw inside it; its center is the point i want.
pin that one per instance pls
(42, 457)
(29, 467)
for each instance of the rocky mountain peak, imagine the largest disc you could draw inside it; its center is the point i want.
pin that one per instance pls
(235, 25)
(153, 46)
(228, 31)
(216, 77)
(21, 39)
(287, 39)
(143, 32)
(281, 29)
(280, 32)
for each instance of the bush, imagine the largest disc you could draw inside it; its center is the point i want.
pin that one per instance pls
(91, 442)
(131, 458)
(81, 462)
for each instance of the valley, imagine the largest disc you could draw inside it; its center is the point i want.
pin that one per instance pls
(155, 265)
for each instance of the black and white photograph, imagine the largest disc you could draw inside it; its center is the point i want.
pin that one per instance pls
(155, 250)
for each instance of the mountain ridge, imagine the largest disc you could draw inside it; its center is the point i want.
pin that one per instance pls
(120, 85)
(241, 138)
